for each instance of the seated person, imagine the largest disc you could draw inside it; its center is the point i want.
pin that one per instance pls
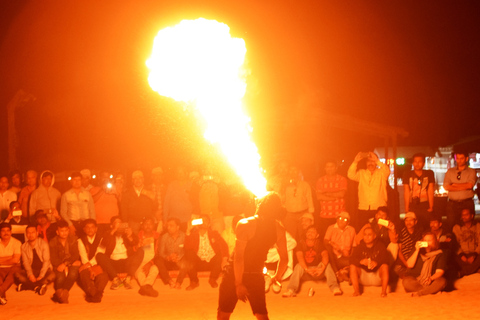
(409, 235)
(171, 254)
(46, 230)
(339, 242)
(10, 252)
(387, 234)
(273, 257)
(369, 263)
(15, 217)
(92, 278)
(147, 272)
(426, 268)
(468, 238)
(119, 260)
(65, 261)
(205, 250)
(312, 264)
(37, 273)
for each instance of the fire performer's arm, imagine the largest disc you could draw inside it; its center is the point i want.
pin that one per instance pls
(281, 245)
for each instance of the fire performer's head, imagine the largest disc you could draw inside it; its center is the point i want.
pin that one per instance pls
(270, 207)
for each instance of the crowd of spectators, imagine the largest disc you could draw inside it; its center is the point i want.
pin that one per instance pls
(102, 231)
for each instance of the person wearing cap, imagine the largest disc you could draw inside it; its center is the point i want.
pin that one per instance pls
(419, 185)
(330, 190)
(339, 241)
(86, 178)
(459, 182)
(137, 202)
(77, 205)
(409, 235)
(372, 186)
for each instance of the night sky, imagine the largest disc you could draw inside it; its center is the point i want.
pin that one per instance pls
(408, 64)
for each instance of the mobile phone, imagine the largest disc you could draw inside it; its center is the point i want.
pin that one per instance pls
(17, 213)
(383, 222)
(197, 222)
(423, 244)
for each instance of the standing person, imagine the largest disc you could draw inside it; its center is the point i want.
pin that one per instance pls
(177, 202)
(159, 189)
(459, 182)
(6, 197)
(86, 179)
(65, 261)
(24, 197)
(372, 186)
(244, 278)
(45, 198)
(15, 179)
(298, 200)
(418, 186)
(106, 203)
(10, 252)
(137, 202)
(77, 205)
(37, 273)
(330, 190)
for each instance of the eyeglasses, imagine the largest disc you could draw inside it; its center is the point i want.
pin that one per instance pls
(343, 219)
(459, 175)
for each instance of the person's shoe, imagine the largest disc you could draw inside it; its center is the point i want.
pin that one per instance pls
(3, 301)
(127, 283)
(337, 292)
(192, 286)
(64, 296)
(289, 294)
(268, 283)
(116, 283)
(41, 290)
(276, 287)
(142, 291)
(150, 291)
(213, 283)
(19, 287)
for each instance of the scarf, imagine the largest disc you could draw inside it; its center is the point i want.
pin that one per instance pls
(428, 259)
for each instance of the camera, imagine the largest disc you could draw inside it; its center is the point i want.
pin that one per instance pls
(197, 222)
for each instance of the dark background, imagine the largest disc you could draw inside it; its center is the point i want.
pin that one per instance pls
(409, 64)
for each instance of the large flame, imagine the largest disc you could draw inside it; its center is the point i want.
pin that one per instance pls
(198, 62)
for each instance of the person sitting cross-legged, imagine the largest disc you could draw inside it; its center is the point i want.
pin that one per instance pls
(92, 278)
(10, 252)
(312, 264)
(147, 272)
(369, 263)
(65, 261)
(37, 273)
(427, 266)
(120, 261)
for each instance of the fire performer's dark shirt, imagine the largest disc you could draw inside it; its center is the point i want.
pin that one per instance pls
(257, 248)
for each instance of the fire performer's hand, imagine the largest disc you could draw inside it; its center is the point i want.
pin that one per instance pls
(242, 292)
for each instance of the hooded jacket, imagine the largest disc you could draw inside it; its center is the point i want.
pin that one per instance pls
(44, 199)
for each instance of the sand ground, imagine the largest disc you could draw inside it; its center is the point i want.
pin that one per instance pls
(201, 303)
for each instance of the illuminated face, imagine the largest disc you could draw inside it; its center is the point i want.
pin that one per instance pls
(42, 219)
(381, 215)
(90, 229)
(32, 234)
(371, 165)
(62, 233)
(368, 236)
(31, 178)
(435, 225)
(3, 183)
(85, 181)
(305, 223)
(432, 242)
(172, 227)
(418, 163)
(116, 223)
(47, 181)
(311, 234)
(5, 234)
(16, 180)
(461, 160)
(138, 181)
(410, 223)
(342, 222)
(330, 168)
(76, 182)
(466, 216)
